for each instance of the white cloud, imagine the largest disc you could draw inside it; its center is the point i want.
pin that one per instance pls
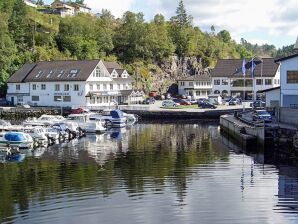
(117, 7)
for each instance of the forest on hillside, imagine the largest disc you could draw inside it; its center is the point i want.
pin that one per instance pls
(27, 35)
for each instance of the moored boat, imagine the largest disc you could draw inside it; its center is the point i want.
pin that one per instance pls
(16, 140)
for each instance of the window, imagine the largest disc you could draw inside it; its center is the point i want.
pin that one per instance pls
(97, 72)
(124, 76)
(57, 87)
(33, 86)
(190, 84)
(278, 81)
(57, 98)
(50, 73)
(111, 86)
(35, 98)
(75, 87)
(43, 86)
(73, 73)
(240, 83)
(60, 74)
(67, 98)
(104, 86)
(197, 83)
(90, 87)
(268, 81)
(39, 74)
(225, 82)
(198, 93)
(18, 86)
(292, 77)
(182, 83)
(118, 86)
(66, 87)
(217, 82)
(259, 82)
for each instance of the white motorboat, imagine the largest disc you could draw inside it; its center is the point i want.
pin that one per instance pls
(114, 118)
(44, 120)
(38, 134)
(16, 140)
(90, 126)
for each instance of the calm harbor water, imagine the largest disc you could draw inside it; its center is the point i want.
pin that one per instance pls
(150, 173)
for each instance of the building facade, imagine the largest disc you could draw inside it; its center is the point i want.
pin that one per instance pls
(289, 81)
(88, 83)
(198, 86)
(69, 8)
(229, 80)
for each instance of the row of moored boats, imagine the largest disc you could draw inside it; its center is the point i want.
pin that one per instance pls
(52, 129)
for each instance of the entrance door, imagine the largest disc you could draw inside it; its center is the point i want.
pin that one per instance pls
(12, 100)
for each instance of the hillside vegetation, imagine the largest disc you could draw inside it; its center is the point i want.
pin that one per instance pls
(27, 35)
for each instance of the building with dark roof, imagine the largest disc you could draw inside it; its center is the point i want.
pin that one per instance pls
(228, 78)
(196, 86)
(77, 83)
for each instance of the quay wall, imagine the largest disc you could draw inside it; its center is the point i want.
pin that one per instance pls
(288, 115)
(235, 129)
(162, 114)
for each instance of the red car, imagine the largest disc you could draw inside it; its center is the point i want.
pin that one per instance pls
(80, 111)
(182, 102)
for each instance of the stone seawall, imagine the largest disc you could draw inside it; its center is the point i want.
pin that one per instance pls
(172, 114)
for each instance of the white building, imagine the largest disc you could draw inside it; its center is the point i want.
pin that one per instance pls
(30, 3)
(88, 83)
(69, 8)
(197, 86)
(228, 80)
(289, 81)
(272, 98)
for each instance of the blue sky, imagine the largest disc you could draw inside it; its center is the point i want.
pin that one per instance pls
(258, 21)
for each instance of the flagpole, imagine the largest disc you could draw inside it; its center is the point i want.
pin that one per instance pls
(244, 71)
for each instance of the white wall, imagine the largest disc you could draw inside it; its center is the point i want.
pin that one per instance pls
(273, 95)
(288, 89)
(202, 86)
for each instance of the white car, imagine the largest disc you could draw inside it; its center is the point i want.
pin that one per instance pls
(169, 103)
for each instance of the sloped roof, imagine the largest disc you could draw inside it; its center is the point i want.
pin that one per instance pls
(288, 57)
(21, 74)
(84, 69)
(112, 64)
(68, 70)
(233, 68)
(196, 78)
(120, 71)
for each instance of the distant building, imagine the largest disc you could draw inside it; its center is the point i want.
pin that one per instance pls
(289, 81)
(69, 8)
(228, 80)
(88, 83)
(197, 86)
(272, 96)
(30, 3)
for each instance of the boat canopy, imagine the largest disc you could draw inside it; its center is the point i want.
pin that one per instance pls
(116, 114)
(14, 137)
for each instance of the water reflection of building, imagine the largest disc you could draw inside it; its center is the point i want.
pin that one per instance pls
(106, 146)
(288, 189)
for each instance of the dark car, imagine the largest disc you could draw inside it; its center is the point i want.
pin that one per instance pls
(202, 101)
(234, 101)
(258, 104)
(150, 100)
(207, 104)
(182, 102)
(261, 115)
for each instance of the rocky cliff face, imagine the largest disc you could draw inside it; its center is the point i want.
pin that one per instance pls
(167, 71)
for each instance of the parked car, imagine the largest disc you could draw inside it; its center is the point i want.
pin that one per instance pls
(169, 103)
(182, 102)
(80, 111)
(261, 115)
(25, 106)
(149, 100)
(235, 101)
(192, 101)
(258, 104)
(202, 101)
(207, 104)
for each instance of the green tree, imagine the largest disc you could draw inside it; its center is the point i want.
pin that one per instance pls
(225, 36)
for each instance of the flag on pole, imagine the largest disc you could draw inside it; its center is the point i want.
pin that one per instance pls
(243, 67)
(253, 67)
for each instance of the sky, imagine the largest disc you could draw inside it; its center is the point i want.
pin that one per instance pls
(257, 21)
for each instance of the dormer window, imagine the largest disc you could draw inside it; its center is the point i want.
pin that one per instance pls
(50, 73)
(97, 72)
(39, 74)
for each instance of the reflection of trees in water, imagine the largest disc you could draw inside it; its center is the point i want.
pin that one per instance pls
(157, 156)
